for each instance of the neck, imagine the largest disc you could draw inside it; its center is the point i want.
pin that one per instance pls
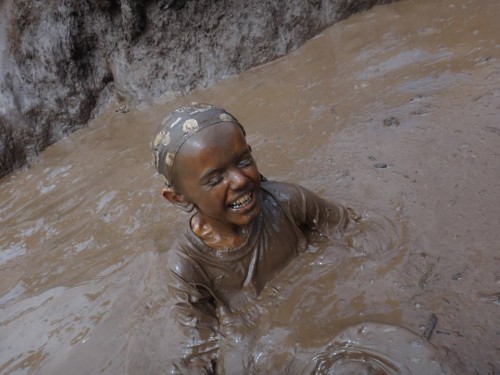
(219, 235)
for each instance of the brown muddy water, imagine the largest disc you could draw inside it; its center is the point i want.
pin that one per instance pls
(396, 110)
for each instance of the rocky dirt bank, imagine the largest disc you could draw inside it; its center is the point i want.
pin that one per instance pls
(62, 61)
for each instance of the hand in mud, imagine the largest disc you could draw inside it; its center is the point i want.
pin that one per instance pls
(353, 215)
(369, 233)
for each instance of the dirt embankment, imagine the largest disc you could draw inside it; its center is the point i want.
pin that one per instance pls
(60, 62)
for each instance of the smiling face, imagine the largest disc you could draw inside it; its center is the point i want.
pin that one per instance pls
(215, 171)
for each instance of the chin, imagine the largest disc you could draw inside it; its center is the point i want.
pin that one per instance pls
(247, 218)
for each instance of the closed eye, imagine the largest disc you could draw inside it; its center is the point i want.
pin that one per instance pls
(245, 162)
(215, 179)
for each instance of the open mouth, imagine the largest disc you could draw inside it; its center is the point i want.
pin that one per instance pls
(242, 201)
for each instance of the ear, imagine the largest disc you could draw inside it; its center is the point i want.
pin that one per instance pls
(177, 200)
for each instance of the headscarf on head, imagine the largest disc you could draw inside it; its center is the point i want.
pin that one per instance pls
(178, 127)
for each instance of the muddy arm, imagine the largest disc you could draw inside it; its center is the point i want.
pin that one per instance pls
(195, 312)
(309, 211)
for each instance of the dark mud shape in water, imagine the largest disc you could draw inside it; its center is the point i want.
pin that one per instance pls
(61, 63)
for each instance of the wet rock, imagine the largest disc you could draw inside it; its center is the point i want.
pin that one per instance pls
(418, 98)
(482, 60)
(431, 325)
(122, 109)
(422, 283)
(490, 297)
(422, 111)
(391, 121)
(492, 129)
(61, 61)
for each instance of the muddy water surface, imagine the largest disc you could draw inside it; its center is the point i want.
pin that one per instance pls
(395, 110)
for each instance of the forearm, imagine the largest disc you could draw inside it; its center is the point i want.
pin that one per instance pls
(194, 312)
(319, 214)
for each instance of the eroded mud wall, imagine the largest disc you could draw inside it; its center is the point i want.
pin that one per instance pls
(61, 61)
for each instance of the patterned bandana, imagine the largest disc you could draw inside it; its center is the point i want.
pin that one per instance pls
(178, 127)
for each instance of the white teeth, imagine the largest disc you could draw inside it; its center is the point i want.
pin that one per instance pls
(241, 201)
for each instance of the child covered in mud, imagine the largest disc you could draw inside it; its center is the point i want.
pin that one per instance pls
(243, 230)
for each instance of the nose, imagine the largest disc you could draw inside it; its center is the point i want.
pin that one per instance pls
(237, 180)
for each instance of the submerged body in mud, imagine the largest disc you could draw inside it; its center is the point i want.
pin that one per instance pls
(244, 229)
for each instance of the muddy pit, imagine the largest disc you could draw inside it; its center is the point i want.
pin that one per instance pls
(403, 120)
